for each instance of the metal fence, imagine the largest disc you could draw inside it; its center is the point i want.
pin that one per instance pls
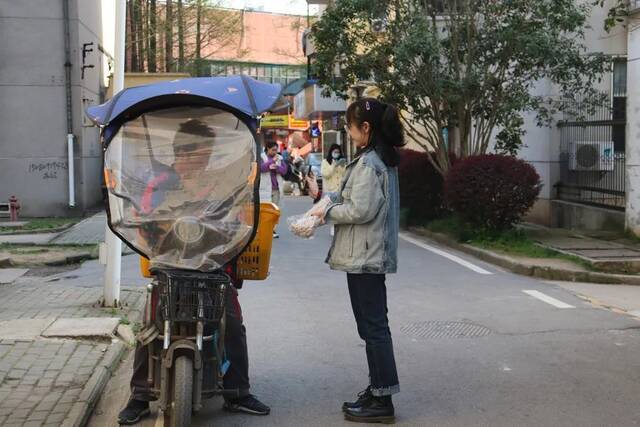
(592, 163)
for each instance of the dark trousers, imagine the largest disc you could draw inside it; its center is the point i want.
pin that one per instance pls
(235, 342)
(369, 302)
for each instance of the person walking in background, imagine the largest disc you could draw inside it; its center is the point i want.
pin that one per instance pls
(333, 169)
(272, 169)
(366, 212)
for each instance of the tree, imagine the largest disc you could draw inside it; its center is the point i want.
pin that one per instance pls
(617, 14)
(168, 41)
(468, 66)
(177, 33)
(180, 36)
(141, 40)
(151, 52)
(134, 36)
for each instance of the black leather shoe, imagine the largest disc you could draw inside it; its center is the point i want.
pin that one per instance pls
(374, 410)
(247, 404)
(133, 412)
(363, 396)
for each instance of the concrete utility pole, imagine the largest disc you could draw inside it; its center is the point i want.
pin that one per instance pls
(113, 244)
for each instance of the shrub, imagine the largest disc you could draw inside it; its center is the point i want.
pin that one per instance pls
(492, 192)
(421, 187)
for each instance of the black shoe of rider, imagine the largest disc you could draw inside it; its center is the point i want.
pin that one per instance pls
(363, 396)
(133, 412)
(247, 404)
(374, 410)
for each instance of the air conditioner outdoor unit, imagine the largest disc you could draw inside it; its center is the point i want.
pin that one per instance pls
(591, 156)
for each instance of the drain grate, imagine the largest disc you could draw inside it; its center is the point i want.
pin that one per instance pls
(442, 329)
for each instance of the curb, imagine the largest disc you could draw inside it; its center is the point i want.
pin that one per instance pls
(537, 271)
(92, 390)
(37, 231)
(71, 259)
(83, 408)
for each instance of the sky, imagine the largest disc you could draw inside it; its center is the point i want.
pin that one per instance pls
(292, 7)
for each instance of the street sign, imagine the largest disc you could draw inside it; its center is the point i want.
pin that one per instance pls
(275, 121)
(283, 121)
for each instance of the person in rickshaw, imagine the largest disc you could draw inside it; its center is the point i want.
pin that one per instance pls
(191, 159)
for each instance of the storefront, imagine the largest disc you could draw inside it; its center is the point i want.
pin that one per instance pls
(326, 115)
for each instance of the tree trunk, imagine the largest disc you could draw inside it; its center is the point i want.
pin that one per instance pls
(180, 37)
(133, 45)
(151, 59)
(198, 35)
(168, 42)
(140, 33)
(127, 38)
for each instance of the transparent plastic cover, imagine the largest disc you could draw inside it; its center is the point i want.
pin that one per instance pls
(181, 185)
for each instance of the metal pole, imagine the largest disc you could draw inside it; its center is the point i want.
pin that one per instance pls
(113, 244)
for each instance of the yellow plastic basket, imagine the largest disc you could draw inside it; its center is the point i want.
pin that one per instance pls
(144, 267)
(253, 263)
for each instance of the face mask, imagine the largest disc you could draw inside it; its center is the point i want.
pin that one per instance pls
(335, 155)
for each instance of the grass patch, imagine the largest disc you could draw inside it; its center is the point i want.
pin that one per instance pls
(24, 248)
(42, 224)
(510, 242)
(28, 251)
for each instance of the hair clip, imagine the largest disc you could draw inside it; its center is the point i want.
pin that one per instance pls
(367, 106)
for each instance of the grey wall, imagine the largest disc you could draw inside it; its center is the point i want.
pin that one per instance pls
(33, 150)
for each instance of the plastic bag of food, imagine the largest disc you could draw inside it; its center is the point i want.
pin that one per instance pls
(305, 225)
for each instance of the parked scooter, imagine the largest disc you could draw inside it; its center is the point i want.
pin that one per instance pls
(181, 173)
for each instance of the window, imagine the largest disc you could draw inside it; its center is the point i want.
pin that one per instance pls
(620, 78)
(619, 103)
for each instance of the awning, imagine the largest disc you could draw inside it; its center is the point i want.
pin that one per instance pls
(311, 104)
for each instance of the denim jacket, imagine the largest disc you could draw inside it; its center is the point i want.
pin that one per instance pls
(366, 214)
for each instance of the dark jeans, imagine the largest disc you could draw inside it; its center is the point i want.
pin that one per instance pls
(235, 342)
(369, 302)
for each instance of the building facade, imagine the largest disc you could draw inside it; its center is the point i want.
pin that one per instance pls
(55, 62)
(586, 163)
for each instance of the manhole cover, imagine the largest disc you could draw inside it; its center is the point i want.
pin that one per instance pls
(441, 329)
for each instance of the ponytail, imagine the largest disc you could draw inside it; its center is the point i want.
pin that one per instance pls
(392, 136)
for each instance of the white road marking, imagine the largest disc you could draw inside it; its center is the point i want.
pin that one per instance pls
(549, 300)
(447, 255)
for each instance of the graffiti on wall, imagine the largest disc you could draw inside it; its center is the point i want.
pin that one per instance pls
(48, 170)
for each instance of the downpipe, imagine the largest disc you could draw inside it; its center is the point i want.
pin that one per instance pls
(67, 84)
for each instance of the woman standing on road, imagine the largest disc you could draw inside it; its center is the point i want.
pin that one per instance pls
(332, 169)
(365, 211)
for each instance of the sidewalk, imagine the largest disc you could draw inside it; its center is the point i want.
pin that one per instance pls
(89, 231)
(55, 380)
(53, 367)
(603, 251)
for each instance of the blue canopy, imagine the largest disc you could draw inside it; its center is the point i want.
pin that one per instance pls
(242, 93)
